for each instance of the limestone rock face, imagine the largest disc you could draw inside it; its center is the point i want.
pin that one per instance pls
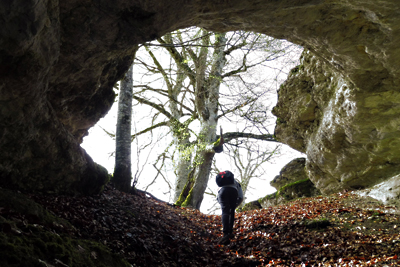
(292, 172)
(290, 192)
(350, 135)
(388, 191)
(291, 183)
(272, 200)
(253, 205)
(60, 59)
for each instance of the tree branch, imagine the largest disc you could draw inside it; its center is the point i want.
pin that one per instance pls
(160, 68)
(158, 107)
(146, 87)
(164, 93)
(201, 90)
(237, 107)
(183, 43)
(179, 60)
(234, 47)
(235, 135)
(164, 123)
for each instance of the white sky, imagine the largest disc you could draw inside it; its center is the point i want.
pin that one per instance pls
(100, 147)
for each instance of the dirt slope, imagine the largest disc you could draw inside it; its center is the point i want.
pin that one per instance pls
(339, 230)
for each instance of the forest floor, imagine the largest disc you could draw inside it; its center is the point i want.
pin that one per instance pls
(338, 230)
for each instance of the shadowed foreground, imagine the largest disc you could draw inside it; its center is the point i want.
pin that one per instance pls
(339, 230)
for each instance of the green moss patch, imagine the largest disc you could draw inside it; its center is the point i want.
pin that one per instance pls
(301, 188)
(270, 196)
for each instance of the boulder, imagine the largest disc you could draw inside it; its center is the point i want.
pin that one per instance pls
(349, 134)
(290, 192)
(291, 183)
(253, 205)
(387, 192)
(290, 173)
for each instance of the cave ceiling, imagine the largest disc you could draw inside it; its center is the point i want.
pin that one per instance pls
(60, 60)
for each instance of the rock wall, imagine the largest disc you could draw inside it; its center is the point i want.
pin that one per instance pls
(350, 135)
(60, 59)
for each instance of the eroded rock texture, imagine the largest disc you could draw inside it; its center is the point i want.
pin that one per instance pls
(350, 135)
(292, 172)
(60, 59)
(291, 183)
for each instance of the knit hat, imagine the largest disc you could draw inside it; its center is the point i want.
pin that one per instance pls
(225, 178)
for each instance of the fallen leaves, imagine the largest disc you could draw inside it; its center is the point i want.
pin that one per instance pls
(323, 231)
(318, 231)
(142, 230)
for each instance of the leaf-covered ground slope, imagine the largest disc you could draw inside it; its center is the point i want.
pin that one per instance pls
(339, 230)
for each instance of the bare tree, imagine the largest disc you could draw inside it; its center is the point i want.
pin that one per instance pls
(248, 160)
(122, 171)
(189, 102)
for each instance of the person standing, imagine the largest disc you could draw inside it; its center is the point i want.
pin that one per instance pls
(230, 196)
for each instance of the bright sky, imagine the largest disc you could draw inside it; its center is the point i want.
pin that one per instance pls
(100, 147)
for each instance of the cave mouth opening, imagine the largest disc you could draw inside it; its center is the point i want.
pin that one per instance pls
(270, 61)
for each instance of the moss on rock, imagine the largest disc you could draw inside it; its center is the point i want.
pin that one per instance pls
(302, 188)
(254, 205)
(290, 192)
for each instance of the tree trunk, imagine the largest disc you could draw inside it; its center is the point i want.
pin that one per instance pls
(122, 172)
(202, 175)
(207, 106)
(183, 168)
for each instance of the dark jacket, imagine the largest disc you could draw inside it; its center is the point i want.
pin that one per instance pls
(238, 187)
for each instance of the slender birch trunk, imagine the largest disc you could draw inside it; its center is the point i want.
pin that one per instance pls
(122, 172)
